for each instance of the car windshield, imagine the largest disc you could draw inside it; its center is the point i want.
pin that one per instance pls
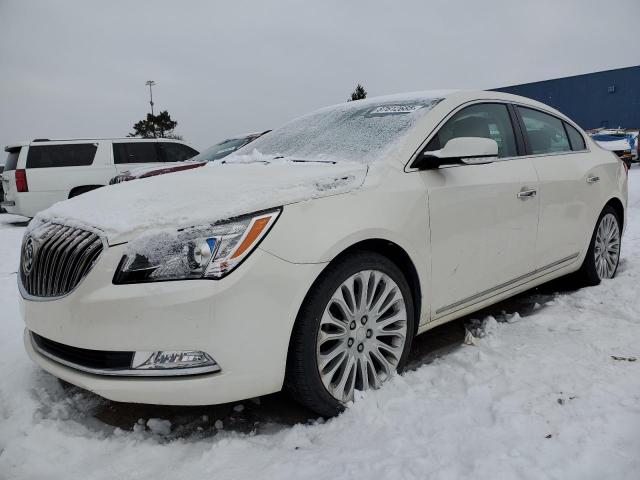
(360, 131)
(222, 149)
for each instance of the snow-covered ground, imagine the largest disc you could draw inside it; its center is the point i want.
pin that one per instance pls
(554, 394)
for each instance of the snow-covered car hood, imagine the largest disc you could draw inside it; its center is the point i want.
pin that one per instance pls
(202, 196)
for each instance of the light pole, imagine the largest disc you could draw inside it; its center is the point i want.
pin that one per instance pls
(151, 83)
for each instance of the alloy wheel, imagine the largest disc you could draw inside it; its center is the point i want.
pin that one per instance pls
(362, 334)
(607, 246)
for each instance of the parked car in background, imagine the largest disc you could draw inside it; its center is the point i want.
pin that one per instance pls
(311, 258)
(216, 152)
(623, 142)
(42, 172)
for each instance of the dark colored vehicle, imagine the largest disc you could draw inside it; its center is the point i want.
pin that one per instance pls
(211, 154)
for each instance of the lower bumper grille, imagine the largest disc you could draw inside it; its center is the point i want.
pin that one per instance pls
(121, 363)
(82, 358)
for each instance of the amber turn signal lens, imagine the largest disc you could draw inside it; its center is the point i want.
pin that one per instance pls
(254, 232)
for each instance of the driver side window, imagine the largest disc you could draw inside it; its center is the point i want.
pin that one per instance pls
(485, 120)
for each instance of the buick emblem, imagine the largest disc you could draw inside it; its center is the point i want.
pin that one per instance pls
(27, 256)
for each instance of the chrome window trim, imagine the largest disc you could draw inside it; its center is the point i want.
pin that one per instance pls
(169, 372)
(504, 159)
(564, 120)
(490, 292)
(409, 169)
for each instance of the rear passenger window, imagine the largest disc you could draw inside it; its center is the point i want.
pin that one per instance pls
(545, 132)
(485, 120)
(12, 160)
(131, 152)
(576, 140)
(71, 155)
(176, 152)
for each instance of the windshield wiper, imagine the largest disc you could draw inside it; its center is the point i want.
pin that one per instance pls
(311, 161)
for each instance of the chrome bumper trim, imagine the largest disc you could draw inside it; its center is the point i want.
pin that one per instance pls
(169, 372)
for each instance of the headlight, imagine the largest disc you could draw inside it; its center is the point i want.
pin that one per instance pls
(209, 251)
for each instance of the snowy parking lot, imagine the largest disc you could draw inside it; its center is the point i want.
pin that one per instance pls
(548, 388)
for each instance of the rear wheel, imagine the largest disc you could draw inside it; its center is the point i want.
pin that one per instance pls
(603, 255)
(353, 332)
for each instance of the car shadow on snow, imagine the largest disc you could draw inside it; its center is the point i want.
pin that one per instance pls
(13, 220)
(273, 412)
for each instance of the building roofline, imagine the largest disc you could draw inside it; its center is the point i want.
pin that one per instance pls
(567, 77)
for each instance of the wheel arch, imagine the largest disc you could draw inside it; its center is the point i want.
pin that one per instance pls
(80, 189)
(299, 377)
(393, 252)
(617, 205)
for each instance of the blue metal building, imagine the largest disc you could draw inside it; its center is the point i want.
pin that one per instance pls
(601, 99)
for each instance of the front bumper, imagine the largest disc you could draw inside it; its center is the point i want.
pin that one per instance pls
(243, 321)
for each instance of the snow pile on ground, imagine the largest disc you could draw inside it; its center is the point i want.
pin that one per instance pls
(555, 394)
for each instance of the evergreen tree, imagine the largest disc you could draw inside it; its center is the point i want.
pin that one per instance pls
(358, 94)
(156, 126)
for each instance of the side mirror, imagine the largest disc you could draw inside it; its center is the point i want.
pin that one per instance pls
(465, 150)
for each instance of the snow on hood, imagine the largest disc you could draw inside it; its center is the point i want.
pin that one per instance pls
(202, 196)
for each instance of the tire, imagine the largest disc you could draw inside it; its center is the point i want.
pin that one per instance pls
(321, 318)
(590, 274)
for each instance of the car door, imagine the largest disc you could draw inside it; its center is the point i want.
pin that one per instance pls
(483, 218)
(568, 193)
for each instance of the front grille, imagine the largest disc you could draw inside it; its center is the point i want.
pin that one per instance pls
(83, 358)
(55, 258)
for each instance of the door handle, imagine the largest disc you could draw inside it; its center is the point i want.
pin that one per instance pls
(525, 194)
(593, 179)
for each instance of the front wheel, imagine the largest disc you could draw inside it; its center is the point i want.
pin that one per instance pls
(603, 255)
(353, 332)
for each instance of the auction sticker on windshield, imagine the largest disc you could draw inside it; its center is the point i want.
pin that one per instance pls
(394, 109)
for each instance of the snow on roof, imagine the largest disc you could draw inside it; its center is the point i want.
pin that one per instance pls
(395, 97)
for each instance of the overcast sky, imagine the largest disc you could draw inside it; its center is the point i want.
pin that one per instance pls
(78, 68)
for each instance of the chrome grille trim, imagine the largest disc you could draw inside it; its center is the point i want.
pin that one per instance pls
(62, 257)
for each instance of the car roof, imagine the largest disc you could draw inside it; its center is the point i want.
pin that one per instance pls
(39, 141)
(135, 139)
(458, 96)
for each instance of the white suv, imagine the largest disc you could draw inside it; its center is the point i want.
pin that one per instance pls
(40, 173)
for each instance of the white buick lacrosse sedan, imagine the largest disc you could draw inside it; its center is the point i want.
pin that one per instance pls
(310, 259)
